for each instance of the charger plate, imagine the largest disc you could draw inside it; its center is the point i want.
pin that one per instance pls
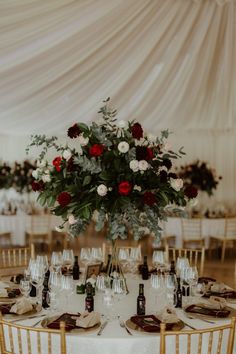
(176, 327)
(208, 317)
(46, 321)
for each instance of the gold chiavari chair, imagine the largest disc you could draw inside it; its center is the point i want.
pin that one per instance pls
(6, 236)
(192, 232)
(14, 259)
(25, 337)
(228, 239)
(196, 257)
(211, 337)
(39, 230)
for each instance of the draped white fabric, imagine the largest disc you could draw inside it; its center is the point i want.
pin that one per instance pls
(167, 63)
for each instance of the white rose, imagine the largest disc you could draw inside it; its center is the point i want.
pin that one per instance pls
(152, 138)
(193, 202)
(36, 173)
(82, 140)
(46, 178)
(71, 219)
(176, 184)
(137, 188)
(167, 146)
(163, 168)
(140, 142)
(123, 147)
(102, 190)
(67, 154)
(122, 124)
(143, 165)
(41, 163)
(133, 165)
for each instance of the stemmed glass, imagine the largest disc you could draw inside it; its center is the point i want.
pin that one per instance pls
(192, 277)
(158, 258)
(170, 282)
(43, 261)
(124, 257)
(108, 304)
(56, 261)
(37, 278)
(68, 258)
(96, 254)
(25, 287)
(67, 286)
(182, 262)
(85, 255)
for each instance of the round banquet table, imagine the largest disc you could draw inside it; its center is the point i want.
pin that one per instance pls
(210, 227)
(114, 339)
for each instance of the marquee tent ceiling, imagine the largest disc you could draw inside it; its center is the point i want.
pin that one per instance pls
(166, 63)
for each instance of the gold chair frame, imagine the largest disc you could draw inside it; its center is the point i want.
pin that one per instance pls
(196, 256)
(199, 332)
(11, 259)
(230, 227)
(191, 225)
(28, 331)
(7, 236)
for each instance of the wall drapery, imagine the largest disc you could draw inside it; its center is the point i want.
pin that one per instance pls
(166, 63)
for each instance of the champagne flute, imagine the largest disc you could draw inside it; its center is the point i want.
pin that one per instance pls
(192, 277)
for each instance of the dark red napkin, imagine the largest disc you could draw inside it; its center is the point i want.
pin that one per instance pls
(205, 280)
(149, 323)
(5, 308)
(228, 294)
(70, 322)
(207, 311)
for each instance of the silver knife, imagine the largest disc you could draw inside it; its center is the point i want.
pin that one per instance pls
(102, 328)
(27, 318)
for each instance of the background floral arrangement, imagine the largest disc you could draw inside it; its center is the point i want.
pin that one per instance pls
(200, 175)
(19, 176)
(117, 170)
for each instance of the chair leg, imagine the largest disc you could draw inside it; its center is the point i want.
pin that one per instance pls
(223, 251)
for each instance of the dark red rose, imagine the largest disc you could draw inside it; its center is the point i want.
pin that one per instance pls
(74, 131)
(64, 199)
(124, 188)
(57, 163)
(172, 175)
(163, 176)
(167, 163)
(70, 165)
(96, 150)
(137, 131)
(191, 192)
(37, 186)
(149, 198)
(144, 153)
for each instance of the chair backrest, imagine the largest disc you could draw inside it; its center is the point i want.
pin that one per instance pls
(16, 257)
(230, 228)
(194, 340)
(196, 257)
(25, 339)
(191, 229)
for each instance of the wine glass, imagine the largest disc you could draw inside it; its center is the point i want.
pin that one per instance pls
(192, 277)
(67, 287)
(68, 258)
(85, 255)
(96, 254)
(108, 304)
(170, 282)
(25, 287)
(56, 261)
(184, 282)
(54, 281)
(158, 258)
(182, 262)
(43, 260)
(37, 278)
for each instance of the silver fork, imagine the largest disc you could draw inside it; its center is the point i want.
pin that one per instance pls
(122, 324)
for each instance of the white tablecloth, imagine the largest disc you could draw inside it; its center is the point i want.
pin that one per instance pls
(210, 227)
(17, 225)
(114, 339)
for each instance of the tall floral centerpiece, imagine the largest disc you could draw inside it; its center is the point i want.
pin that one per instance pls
(117, 170)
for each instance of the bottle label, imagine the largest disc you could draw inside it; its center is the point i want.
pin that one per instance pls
(141, 307)
(89, 305)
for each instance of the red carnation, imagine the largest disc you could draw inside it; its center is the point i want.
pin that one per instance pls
(96, 150)
(149, 198)
(57, 163)
(74, 131)
(124, 188)
(37, 186)
(137, 131)
(191, 192)
(64, 199)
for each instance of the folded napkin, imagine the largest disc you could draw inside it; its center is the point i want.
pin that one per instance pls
(3, 292)
(218, 288)
(216, 303)
(88, 319)
(205, 280)
(168, 316)
(68, 318)
(23, 306)
(148, 323)
(5, 308)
